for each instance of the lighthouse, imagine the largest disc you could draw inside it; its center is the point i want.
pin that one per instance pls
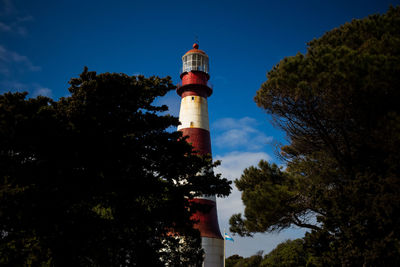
(194, 91)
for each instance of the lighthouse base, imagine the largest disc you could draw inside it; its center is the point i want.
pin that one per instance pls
(214, 251)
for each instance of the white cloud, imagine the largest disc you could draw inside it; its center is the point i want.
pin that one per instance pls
(233, 123)
(248, 246)
(12, 86)
(34, 89)
(232, 167)
(21, 30)
(42, 91)
(239, 133)
(16, 26)
(25, 18)
(4, 27)
(235, 162)
(11, 60)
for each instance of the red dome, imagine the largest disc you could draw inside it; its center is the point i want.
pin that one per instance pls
(195, 50)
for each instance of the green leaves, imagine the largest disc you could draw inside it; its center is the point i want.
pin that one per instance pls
(272, 199)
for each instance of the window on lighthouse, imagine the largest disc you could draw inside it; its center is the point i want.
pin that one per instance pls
(194, 61)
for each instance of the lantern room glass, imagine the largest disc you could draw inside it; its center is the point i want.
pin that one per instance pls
(195, 61)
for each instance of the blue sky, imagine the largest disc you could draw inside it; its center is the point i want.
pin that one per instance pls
(45, 43)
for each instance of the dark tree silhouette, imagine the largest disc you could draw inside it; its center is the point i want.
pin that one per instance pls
(339, 107)
(94, 179)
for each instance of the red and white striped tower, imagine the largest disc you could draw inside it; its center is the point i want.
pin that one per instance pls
(193, 116)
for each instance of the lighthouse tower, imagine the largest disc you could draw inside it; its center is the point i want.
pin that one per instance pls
(193, 116)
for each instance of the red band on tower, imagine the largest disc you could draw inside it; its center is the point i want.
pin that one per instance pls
(207, 221)
(199, 138)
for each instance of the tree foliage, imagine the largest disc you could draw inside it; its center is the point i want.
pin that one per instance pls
(291, 253)
(339, 107)
(239, 261)
(232, 260)
(94, 179)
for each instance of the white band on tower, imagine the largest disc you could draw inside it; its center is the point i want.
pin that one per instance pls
(194, 113)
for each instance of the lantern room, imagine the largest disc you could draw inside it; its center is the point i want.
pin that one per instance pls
(195, 60)
(194, 73)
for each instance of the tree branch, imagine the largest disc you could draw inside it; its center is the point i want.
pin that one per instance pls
(299, 223)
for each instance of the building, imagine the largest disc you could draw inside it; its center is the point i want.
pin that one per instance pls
(194, 91)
